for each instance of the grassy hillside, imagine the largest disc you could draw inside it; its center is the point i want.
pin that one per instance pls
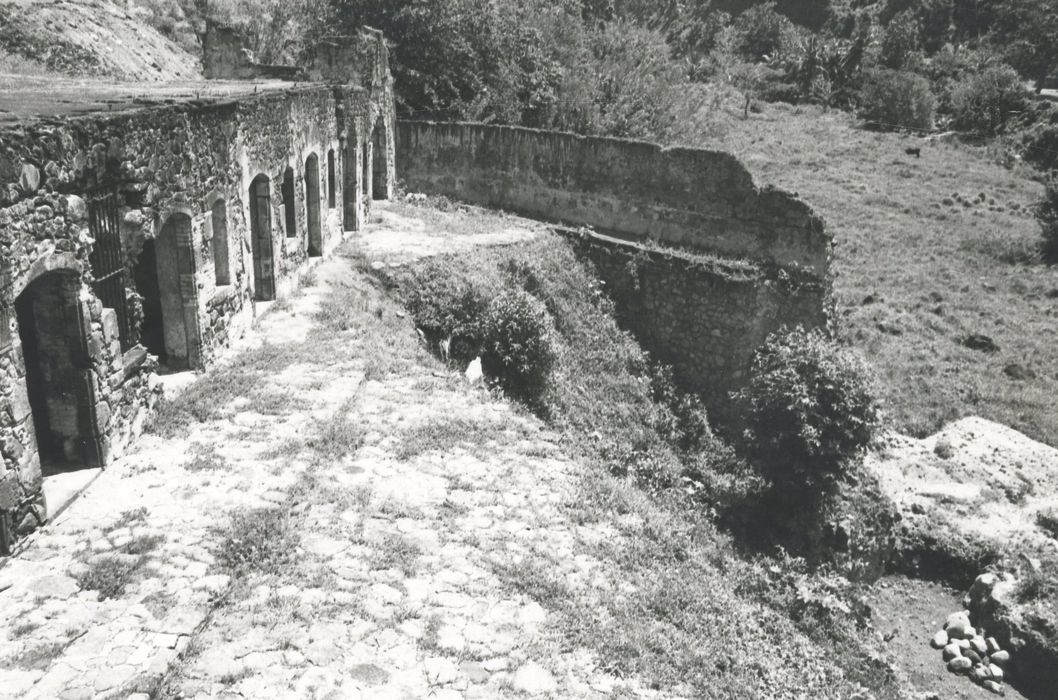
(690, 613)
(918, 269)
(95, 38)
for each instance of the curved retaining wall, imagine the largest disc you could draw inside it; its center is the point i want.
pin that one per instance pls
(683, 197)
(703, 317)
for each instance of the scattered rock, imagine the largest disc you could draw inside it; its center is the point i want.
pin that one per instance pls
(995, 687)
(982, 343)
(76, 209)
(1000, 657)
(979, 645)
(473, 372)
(979, 674)
(534, 679)
(944, 450)
(940, 640)
(951, 651)
(29, 180)
(995, 671)
(993, 645)
(1019, 372)
(960, 664)
(889, 328)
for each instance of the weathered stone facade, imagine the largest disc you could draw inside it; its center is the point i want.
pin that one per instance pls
(151, 235)
(683, 197)
(702, 264)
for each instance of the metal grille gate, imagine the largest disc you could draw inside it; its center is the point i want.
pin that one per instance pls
(108, 266)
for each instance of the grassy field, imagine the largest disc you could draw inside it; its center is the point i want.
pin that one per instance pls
(919, 269)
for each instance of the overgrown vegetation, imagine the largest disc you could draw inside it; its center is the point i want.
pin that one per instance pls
(656, 456)
(257, 541)
(809, 408)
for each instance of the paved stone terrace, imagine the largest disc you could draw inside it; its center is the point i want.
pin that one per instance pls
(397, 584)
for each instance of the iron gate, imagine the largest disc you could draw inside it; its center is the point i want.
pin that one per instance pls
(107, 259)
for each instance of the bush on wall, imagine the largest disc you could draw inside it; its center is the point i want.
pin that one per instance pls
(518, 344)
(809, 408)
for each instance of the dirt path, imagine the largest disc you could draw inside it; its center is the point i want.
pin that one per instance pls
(910, 612)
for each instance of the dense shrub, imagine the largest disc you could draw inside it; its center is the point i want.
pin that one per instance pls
(764, 34)
(893, 99)
(950, 66)
(518, 344)
(450, 306)
(984, 102)
(809, 408)
(1047, 215)
(1040, 146)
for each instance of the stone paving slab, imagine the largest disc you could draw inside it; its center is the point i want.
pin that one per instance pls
(400, 584)
(59, 641)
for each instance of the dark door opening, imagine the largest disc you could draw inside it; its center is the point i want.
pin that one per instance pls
(380, 174)
(312, 205)
(350, 187)
(291, 218)
(330, 179)
(58, 381)
(145, 277)
(365, 181)
(261, 238)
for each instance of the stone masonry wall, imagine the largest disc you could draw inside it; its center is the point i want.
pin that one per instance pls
(683, 197)
(157, 163)
(704, 317)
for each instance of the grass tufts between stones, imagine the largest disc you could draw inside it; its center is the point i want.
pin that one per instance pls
(258, 541)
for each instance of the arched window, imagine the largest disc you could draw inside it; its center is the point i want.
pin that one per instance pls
(261, 238)
(380, 158)
(330, 179)
(221, 263)
(53, 340)
(312, 205)
(290, 219)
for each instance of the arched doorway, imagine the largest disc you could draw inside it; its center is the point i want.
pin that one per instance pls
(351, 185)
(312, 205)
(261, 238)
(380, 158)
(145, 277)
(290, 218)
(221, 258)
(330, 179)
(168, 328)
(366, 181)
(54, 335)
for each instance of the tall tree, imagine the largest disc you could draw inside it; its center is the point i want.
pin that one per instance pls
(1027, 32)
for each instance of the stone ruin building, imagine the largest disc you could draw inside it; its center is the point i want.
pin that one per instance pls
(141, 230)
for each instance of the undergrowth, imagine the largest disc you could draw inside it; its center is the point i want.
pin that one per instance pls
(699, 614)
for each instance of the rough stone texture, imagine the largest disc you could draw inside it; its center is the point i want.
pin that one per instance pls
(346, 618)
(684, 197)
(1025, 627)
(161, 164)
(702, 316)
